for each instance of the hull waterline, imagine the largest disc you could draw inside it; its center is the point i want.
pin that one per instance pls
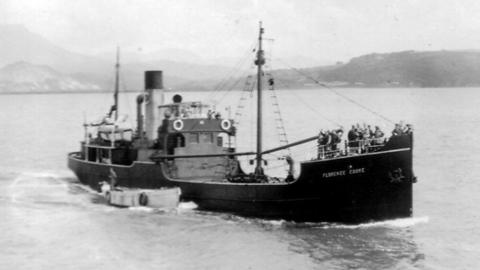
(375, 186)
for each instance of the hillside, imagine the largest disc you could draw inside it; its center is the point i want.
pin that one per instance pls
(408, 69)
(23, 77)
(18, 44)
(46, 66)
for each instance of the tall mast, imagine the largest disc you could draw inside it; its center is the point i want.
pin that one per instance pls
(260, 61)
(117, 78)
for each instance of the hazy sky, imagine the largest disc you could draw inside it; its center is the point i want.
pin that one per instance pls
(324, 29)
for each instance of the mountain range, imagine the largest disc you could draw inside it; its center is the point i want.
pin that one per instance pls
(23, 49)
(25, 77)
(33, 64)
(409, 69)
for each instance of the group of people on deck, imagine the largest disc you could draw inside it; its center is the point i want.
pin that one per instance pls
(401, 129)
(328, 142)
(212, 114)
(360, 139)
(359, 136)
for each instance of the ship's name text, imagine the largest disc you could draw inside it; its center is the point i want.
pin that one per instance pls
(343, 172)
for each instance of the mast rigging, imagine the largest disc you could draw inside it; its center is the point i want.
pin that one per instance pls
(117, 78)
(260, 61)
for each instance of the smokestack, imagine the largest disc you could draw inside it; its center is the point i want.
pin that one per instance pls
(153, 79)
(154, 97)
(139, 116)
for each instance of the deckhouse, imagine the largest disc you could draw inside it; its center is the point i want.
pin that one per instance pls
(191, 128)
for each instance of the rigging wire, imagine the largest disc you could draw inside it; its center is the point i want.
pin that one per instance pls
(278, 119)
(107, 96)
(338, 93)
(240, 78)
(125, 92)
(240, 63)
(248, 88)
(306, 104)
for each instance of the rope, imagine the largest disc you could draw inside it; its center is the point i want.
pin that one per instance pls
(279, 123)
(307, 105)
(243, 97)
(339, 94)
(231, 88)
(128, 105)
(222, 85)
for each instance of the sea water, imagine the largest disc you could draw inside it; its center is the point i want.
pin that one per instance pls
(49, 221)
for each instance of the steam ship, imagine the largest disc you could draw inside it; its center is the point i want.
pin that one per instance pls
(180, 144)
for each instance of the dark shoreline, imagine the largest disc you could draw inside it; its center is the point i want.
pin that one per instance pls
(204, 90)
(65, 92)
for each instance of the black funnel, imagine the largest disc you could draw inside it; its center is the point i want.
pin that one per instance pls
(153, 79)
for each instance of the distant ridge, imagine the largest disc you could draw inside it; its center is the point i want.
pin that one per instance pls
(23, 77)
(18, 44)
(407, 69)
(28, 56)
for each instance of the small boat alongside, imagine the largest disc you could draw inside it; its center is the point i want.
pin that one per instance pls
(167, 198)
(182, 148)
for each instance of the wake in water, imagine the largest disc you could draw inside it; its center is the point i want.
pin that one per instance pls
(44, 188)
(50, 188)
(144, 209)
(394, 223)
(187, 208)
(182, 208)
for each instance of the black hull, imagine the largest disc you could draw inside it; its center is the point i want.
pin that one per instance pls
(353, 189)
(330, 208)
(348, 199)
(146, 175)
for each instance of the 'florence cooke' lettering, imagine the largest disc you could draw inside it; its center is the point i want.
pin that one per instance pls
(343, 172)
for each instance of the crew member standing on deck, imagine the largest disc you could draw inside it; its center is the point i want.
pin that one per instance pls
(378, 136)
(397, 131)
(327, 143)
(353, 137)
(408, 129)
(320, 145)
(336, 136)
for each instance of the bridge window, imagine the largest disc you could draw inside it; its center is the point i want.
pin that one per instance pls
(174, 140)
(194, 138)
(207, 137)
(180, 140)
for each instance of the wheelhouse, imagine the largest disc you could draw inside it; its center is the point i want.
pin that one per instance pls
(192, 128)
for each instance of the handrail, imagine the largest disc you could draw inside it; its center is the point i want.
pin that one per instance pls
(367, 140)
(156, 157)
(290, 145)
(362, 145)
(236, 154)
(99, 146)
(324, 152)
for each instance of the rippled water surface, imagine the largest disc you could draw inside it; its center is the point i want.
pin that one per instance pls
(49, 221)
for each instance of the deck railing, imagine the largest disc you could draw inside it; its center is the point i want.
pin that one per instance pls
(350, 148)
